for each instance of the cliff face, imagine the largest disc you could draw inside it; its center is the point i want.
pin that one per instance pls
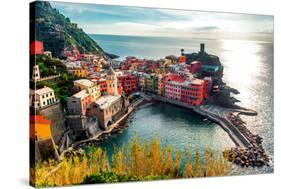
(58, 32)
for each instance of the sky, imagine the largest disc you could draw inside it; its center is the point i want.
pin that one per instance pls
(136, 21)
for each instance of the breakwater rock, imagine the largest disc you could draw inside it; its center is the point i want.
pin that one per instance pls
(252, 156)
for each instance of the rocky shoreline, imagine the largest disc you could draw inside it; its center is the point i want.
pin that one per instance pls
(253, 155)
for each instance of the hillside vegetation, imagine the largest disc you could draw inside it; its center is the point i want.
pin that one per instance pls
(58, 32)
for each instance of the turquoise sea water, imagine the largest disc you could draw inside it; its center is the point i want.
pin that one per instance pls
(248, 67)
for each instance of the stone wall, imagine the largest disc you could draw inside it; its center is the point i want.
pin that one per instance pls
(45, 149)
(54, 113)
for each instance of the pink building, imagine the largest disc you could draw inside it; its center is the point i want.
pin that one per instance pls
(172, 86)
(195, 66)
(191, 92)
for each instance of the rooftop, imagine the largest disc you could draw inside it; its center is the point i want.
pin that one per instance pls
(195, 62)
(197, 82)
(81, 94)
(106, 101)
(84, 82)
(44, 91)
(38, 119)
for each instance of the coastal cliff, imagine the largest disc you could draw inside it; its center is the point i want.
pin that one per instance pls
(58, 32)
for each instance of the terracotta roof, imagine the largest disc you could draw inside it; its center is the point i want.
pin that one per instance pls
(39, 119)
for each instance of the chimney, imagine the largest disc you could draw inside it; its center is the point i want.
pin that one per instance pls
(202, 48)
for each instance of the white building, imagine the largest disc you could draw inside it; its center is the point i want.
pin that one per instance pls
(35, 73)
(44, 97)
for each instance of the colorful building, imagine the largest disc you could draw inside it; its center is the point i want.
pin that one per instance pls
(195, 66)
(182, 59)
(103, 86)
(172, 86)
(40, 128)
(36, 48)
(128, 83)
(44, 97)
(141, 83)
(92, 87)
(120, 89)
(160, 85)
(190, 91)
(112, 82)
(80, 72)
(151, 84)
(81, 84)
(107, 109)
(208, 82)
(78, 103)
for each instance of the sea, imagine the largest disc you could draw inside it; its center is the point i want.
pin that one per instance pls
(248, 67)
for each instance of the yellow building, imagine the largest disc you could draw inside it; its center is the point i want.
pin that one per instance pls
(150, 83)
(40, 128)
(92, 87)
(95, 91)
(80, 72)
(159, 85)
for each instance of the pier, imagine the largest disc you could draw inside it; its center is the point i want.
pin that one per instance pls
(249, 150)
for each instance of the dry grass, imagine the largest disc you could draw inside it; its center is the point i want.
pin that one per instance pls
(139, 160)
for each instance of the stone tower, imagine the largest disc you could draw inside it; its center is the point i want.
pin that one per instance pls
(113, 78)
(35, 73)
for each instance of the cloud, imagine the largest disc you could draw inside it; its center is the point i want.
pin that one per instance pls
(124, 20)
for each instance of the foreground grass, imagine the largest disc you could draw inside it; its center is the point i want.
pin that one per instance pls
(134, 162)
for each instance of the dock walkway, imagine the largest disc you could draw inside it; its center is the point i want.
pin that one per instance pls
(215, 113)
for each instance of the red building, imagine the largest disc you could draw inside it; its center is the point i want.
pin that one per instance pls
(207, 86)
(36, 47)
(120, 89)
(103, 86)
(132, 63)
(192, 92)
(128, 83)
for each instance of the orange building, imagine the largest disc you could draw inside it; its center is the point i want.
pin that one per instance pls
(40, 128)
(103, 86)
(182, 59)
(80, 72)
